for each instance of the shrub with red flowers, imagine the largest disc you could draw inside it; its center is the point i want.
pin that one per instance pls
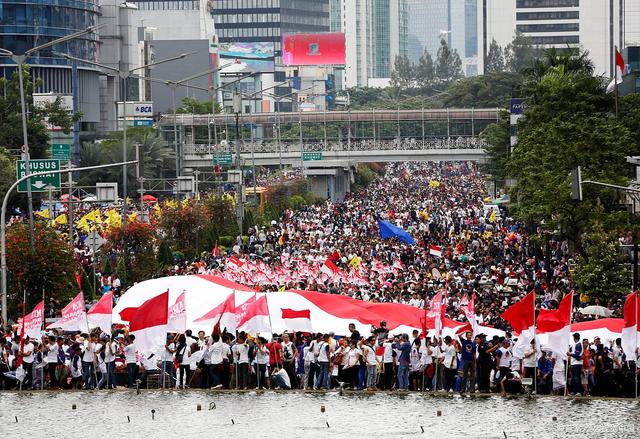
(50, 268)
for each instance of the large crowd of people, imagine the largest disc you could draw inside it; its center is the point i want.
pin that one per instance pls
(481, 250)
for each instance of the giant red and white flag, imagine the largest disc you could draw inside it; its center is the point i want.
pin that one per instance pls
(631, 329)
(521, 317)
(297, 320)
(436, 310)
(556, 324)
(435, 250)
(99, 315)
(177, 320)
(149, 323)
(223, 315)
(255, 318)
(330, 269)
(74, 316)
(618, 73)
(33, 321)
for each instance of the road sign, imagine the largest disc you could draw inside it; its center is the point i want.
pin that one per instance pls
(222, 158)
(41, 183)
(306, 156)
(61, 151)
(94, 241)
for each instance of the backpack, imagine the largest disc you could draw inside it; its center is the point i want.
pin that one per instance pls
(180, 353)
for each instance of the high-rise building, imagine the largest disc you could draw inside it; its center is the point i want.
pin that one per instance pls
(376, 32)
(24, 25)
(267, 20)
(593, 25)
(455, 21)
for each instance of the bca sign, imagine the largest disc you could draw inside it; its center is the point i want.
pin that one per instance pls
(143, 109)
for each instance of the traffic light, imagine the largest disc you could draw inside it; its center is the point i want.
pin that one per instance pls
(576, 184)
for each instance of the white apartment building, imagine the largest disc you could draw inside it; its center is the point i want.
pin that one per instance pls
(594, 25)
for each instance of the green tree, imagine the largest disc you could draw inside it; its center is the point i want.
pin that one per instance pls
(448, 64)
(7, 171)
(165, 256)
(194, 106)
(403, 74)
(485, 91)
(495, 59)
(600, 272)
(567, 124)
(497, 137)
(519, 53)
(424, 71)
(51, 268)
(134, 249)
(11, 116)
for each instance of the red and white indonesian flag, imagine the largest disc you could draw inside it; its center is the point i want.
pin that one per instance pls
(297, 320)
(149, 323)
(436, 310)
(521, 317)
(33, 321)
(223, 314)
(435, 250)
(468, 307)
(255, 317)
(556, 325)
(234, 262)
(177, 320)
(74, 316)
(99, 315)
(330, 269)
(618, 73)
(631, 329)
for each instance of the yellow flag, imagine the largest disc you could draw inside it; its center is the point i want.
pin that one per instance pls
(43, 214)
(185, 203)
(83, 224)
(172, 204)
(434, 183)
(132, 217)
(157, 209)
(282, 288)
(61, 219)
(355, 261)
(492, 216)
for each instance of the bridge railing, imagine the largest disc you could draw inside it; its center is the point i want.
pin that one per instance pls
(340, 146)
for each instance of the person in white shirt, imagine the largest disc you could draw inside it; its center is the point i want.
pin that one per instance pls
(52, 350)
(183, 352)
(450, 363)
(353, 363)
(369, 353)
(27, 361)
(108, 355)
(387, 363)
(89, 362)
(241, 357)
(289, 355)
(530, 362)
(168, 377)
(505, 357)
(323, 357)
(130, 359)
(215, 355)
(262, 359)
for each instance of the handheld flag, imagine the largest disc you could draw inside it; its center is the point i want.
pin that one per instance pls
(388, 230)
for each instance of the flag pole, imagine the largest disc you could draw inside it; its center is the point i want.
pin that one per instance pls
(615, 77)
(636, 353)
(24, 307)
(536, 347)
(566, 372)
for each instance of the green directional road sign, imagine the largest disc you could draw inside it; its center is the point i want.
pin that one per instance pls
(222, 158)
(39, 183)
(306, 156)
(61, 151)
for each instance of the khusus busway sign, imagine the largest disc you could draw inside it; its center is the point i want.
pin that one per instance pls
(40, 183)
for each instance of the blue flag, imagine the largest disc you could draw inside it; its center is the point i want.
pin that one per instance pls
(388, 230)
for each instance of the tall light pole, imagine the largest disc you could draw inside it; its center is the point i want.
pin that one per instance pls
(125, 75)
(20, 61)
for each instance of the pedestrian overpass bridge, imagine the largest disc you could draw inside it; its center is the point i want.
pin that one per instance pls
(356, 136)
(327, 145)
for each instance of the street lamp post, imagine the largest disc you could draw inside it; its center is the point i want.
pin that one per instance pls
(3, 224)
(20, 61)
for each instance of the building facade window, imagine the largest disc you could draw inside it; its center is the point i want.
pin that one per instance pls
(549, 27)
(547, 3)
